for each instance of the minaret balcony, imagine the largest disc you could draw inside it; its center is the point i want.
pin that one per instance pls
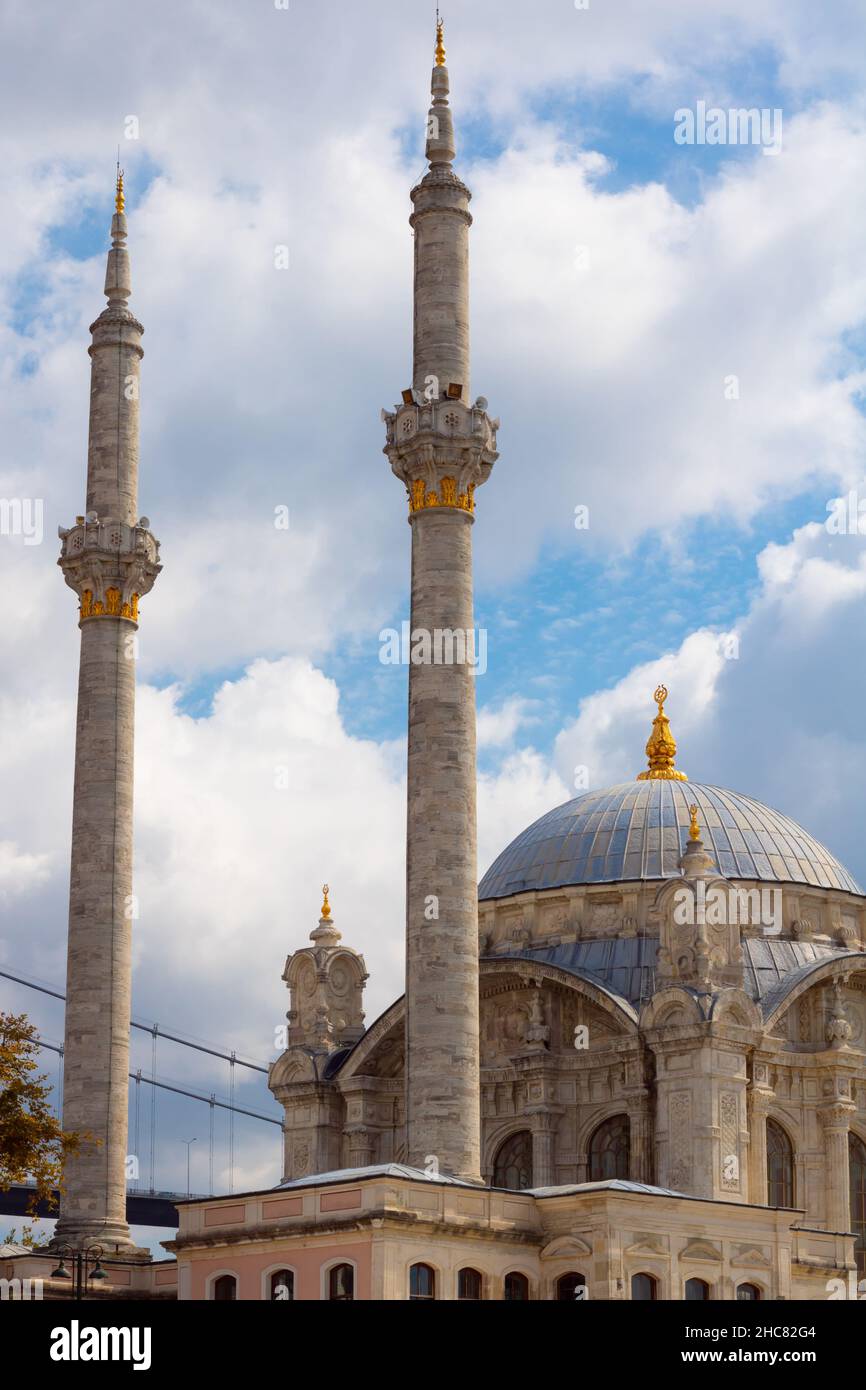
(110, 565)
(441, 449)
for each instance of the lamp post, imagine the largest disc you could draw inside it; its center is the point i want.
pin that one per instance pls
(189, 1143)
(81, 1261)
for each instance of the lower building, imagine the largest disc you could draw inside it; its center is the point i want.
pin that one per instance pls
(394, 1233)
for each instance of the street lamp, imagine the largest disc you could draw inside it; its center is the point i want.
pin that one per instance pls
(189, 1143)
(81, 1261)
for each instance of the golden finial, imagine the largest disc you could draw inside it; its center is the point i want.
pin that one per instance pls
(440, 44)
(326, 906)
(661, 748)
(694, 828)
(118, 200)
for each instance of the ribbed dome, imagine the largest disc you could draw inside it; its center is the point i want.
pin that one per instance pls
(638, 830)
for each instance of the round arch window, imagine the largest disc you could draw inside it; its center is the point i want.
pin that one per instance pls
(609, 1149)
(516, 1288)
(422, 1283)
(282, 1285)
(341, 1284)
(512, 1166)
(469, 1285)
(570, 1286)
(780, 1167)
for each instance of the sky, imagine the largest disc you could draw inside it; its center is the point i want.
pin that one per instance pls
(671, 333)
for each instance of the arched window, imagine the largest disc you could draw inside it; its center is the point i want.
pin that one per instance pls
(570, 1287)
(513, 1163)
(516, 1288)
(225, 1289)
(697, 1291)
(608, 1149)
(469, 1284)
(422, 1282)
(282, 1283)
(780, 1167)
(857, 1172)
(748, 1293)
(644, 1288)
(341, 1284)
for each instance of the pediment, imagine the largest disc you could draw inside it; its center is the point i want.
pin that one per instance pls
(699, 1249)
(566, 1247)
(646, 1243)
(293, 1067)
(751, 1256)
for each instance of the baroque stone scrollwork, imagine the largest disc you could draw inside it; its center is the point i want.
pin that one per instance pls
(681, 1140)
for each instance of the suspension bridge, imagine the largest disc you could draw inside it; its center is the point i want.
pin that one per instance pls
(147, 1204)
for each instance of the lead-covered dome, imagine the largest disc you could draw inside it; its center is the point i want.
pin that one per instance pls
(638, 830)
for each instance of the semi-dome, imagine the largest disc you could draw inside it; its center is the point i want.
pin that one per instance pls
(637, 830)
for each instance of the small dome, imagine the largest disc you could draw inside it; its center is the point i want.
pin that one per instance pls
(638, 830)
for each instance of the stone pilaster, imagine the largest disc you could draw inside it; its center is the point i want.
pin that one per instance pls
(359, 1146)
(760, 1099)
(441, 448)
(640, 1136)
(110, 559)
(835, 1122)
(544, 1125)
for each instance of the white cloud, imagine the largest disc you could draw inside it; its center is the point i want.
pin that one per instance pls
(498, 725)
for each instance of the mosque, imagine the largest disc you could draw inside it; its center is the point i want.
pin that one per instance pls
(629, 1065)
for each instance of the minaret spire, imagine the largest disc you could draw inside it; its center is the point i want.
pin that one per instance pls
(110, 558)
(442, 448)
(440, 147)
(440, 41)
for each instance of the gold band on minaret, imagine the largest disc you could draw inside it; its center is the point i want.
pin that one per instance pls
(661, 748)
(118, 197)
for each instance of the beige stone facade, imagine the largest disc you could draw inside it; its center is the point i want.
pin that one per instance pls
(383, 1223)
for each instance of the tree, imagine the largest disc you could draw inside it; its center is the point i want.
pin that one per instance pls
(32, 1143)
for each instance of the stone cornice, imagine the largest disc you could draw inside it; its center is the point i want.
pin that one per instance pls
(378, 1217)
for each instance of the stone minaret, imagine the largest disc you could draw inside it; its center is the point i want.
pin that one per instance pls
(110, 559)
(442, 447)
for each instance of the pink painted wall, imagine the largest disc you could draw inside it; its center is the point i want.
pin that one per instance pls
(307, 1264)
